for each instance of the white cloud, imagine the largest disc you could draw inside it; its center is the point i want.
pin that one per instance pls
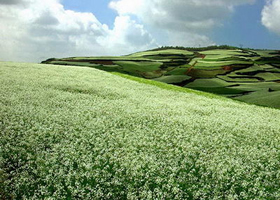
(33, 30)
(271, 16)
(180, 15)
(127, 35)
(185, 21)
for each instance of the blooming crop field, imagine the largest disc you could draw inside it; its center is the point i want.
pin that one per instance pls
(81, 133)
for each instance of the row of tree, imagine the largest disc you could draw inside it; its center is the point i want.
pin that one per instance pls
(202, 48)
(197, 48)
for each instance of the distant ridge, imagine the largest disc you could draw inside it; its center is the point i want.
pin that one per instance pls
(245, 74)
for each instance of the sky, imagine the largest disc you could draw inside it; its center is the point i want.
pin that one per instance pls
(34, 30)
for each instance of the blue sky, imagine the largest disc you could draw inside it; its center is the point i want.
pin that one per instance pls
(245, 28)
(100, 8)
(33, 30)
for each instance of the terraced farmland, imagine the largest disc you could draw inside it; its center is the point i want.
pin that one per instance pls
(239, 71)
(71, 132)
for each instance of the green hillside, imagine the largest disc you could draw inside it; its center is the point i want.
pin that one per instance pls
(242, 74)
(80, 133)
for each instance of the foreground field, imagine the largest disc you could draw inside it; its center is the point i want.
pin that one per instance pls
(224, 70)
(80, 133)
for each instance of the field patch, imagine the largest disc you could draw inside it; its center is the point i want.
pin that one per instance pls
(261, 97)
(214, 82)
(173, 78)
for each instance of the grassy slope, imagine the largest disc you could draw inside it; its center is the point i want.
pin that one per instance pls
(81, 133)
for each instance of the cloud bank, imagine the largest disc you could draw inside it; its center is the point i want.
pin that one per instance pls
(186, 22)
(179, 15)
(271, 16)
(33, 30)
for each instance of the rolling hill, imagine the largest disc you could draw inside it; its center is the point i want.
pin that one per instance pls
(247, 75)
(79, 133)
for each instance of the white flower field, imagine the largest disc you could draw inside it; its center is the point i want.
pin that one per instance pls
(80, 133)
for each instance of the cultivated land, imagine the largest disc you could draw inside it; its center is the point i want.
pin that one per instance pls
(80, 133)
(248, 75)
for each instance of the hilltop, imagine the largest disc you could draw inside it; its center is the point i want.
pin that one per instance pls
(79, 133)
(248, 75)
